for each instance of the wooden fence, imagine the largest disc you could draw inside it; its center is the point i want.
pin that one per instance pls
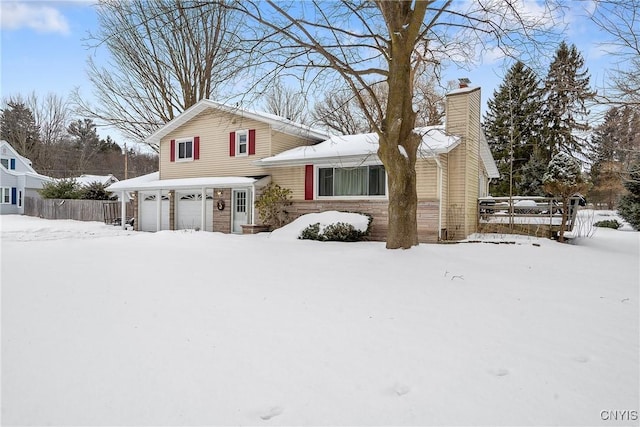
(80, 210)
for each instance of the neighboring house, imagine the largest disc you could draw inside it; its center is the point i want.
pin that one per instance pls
(85, 180)
(18, 180)
(216, 159)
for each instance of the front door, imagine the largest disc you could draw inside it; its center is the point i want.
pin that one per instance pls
(240, 209)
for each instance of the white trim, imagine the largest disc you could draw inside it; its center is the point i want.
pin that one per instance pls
(277, 123)
(177, 148)
(2, 195)
(233, 207)
(203, 210)
(244, 132)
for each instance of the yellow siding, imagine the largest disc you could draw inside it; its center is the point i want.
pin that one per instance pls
(444, 160)
(282, 142)
(213, 128)
(426, 179)
(290, 177)
(472, 161)
(463, 118)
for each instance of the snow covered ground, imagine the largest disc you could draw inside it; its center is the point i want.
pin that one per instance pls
(102, 326)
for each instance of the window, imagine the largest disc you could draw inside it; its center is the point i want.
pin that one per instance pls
(356, 181)
(184, 149)
(5, 163)
(6, 196)
(242, 143)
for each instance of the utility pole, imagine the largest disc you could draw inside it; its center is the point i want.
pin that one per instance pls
(126, 162)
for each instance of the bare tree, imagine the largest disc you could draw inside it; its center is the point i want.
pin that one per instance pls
(166, 55)
(620, 20)
(340, 111)
(285, 102)
(368, 42)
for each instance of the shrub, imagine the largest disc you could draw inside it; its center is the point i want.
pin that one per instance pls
(61, 189)
(342, 232)
(96, 191)
(629, 206)
(312, 232)
(608, 223)
(272, 204)
(337, 232)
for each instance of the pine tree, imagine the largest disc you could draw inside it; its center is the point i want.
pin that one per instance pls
(566, 94)
(512, 121)
(615, 143)
(18, 127)
(629, 206)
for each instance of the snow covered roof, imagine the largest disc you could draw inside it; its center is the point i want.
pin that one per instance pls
(277, 123)
(465, 89)
(152, 181)
(85, 179)
(359, 147)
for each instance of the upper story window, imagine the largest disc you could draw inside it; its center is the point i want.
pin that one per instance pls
(350, 182)
(185, 149)
(8, 163)
(242, 143)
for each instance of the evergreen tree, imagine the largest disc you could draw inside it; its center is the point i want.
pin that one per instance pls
(629, 206)
(615, 143)
(18, 127)
(86, 143)
(511, 125)
(566, 94)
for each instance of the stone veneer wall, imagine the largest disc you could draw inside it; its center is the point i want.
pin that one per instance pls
(222, 219)
(427, 215)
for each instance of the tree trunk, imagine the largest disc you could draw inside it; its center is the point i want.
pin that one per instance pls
(403, 205)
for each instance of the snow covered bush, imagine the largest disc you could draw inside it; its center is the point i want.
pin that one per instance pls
(608, 223)
(629, 206)
(338, 232)
(272, 206)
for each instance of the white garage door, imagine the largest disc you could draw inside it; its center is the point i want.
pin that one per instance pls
(149, 212)
(189, 211)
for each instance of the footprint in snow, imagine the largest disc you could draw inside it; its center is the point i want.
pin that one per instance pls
(272, 412)
(401, 389)
(499, 372)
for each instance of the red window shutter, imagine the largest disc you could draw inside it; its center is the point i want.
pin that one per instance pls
(173, 150)
(232, 144)
(252, 141)
(196, 148)
(308, 182)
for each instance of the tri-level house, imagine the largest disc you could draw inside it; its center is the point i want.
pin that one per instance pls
(216, 159)
(18, 180)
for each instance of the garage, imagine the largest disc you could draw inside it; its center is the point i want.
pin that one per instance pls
(149, 212)
(189, 210)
